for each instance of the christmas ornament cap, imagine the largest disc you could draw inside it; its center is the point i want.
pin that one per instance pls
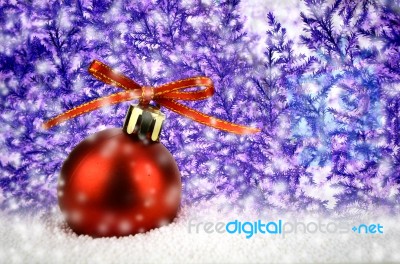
(144, 121)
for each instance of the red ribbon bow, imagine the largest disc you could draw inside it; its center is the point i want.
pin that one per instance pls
(164, 95)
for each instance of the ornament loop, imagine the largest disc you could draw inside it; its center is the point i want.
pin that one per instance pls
(147, 95)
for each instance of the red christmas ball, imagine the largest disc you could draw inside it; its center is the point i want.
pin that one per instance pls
(114, 184)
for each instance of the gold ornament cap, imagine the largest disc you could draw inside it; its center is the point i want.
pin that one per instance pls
(144, 121)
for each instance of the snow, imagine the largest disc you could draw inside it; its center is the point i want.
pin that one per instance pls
(46, 239)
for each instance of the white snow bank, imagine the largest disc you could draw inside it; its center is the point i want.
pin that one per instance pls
(48, 240)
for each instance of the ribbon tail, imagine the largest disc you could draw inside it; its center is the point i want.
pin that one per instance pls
(206, 119)
(93, 105)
